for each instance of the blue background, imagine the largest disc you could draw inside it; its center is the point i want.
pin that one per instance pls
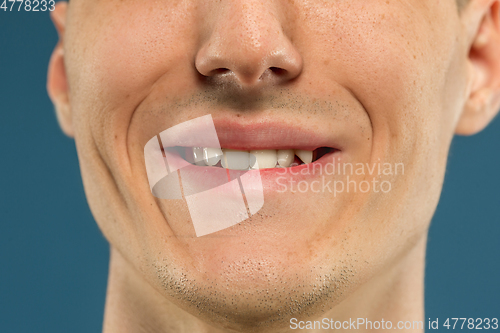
(53, 258)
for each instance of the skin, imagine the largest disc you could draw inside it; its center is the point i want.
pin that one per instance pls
(404, 76)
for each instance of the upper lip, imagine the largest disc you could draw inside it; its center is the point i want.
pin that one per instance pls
(243, 135)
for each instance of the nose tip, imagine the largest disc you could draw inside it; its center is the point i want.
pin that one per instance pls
(250, 49)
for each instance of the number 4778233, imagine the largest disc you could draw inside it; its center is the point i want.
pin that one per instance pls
(29, 5)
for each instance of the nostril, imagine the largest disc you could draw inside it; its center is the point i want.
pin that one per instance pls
(278, 71)
(274, 72)
(219, 71)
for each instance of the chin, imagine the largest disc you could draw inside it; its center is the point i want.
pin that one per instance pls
(257, 284)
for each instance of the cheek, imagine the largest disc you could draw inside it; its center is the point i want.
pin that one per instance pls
(397, 64)
(395, 61)
(125, 53)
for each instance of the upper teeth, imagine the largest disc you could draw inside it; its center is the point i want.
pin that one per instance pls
(305, 155)
(211, 156)
(235, 159)
(245, 160)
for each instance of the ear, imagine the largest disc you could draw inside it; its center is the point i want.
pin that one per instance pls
(57, 84)
(483, 101)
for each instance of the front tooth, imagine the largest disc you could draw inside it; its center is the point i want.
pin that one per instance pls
(264, 159)
(212, 156)
(188, 152)
(305, 156)
(235, 159)
(198, 156)
(285, 157)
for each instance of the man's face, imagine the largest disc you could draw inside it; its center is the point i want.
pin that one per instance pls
(381, 82)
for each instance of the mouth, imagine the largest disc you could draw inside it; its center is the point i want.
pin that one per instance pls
(245, 146)
(226, 167)
(256, 159)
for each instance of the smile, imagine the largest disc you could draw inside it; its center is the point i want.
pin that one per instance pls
(250, 159)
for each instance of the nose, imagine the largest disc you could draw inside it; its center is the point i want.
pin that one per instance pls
(245, 44)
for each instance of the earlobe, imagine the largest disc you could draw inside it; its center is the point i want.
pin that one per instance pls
(483, 100)
(57, 85)
(479, 111)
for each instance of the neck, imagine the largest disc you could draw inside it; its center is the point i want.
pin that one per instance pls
(133, 305)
